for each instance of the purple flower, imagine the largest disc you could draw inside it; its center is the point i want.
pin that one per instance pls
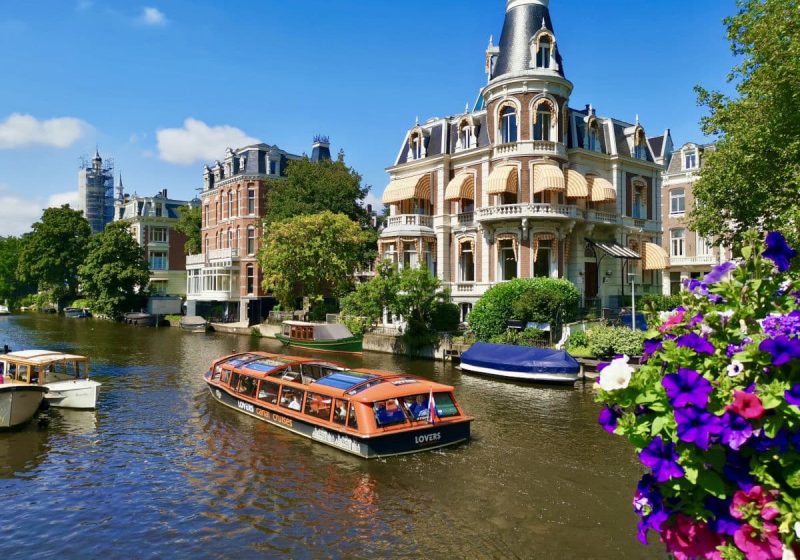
(782, 349)
(763, 443)
(651, 346)
(662, 458)
(715, 298)
(609, 417)
(718, 273)
(696, 425)
(796, 440)
(723, 522)
(687, 387)
(736, 348)
(698, 343)
(778, 251)
(792, 395)
(782, 325)
(737, 469)
(695, 286)
(649, 506)
(735, 430)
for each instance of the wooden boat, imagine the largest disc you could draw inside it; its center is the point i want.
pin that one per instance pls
(18, 402)
(521, 363)
(77, 312)
(139, 319)
(64, 376)
(194, 323)
(325, 337)
(363, 412)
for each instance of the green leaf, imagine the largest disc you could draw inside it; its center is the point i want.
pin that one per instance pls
(712, 483)
(658, 425)
(691, 474)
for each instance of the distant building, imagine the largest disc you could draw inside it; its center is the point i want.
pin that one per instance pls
(153, 220)
(96, 192)
(690, 255)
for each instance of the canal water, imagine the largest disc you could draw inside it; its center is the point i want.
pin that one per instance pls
(161, 470)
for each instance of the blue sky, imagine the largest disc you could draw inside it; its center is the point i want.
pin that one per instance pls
(200, 74)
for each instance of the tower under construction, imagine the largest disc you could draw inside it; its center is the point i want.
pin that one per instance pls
(96, 191)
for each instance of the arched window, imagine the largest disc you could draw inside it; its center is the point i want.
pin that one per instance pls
(507, 259)
(466, 263)
(508, 125)
(640, 145)
(543, 54)
(415, 146)
(251, 240)
(639, 201)
(465, 136)
(543, 122)
(251, 280)
(593, 138)
(230, 204)
(251, 201)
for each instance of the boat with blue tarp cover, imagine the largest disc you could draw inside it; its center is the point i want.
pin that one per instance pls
(364, 412)
(521, 363)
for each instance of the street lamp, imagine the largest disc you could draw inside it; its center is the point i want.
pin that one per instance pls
(632, 278)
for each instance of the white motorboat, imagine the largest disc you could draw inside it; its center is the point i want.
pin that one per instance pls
(4, 310)
(64, 376)
(18, 402)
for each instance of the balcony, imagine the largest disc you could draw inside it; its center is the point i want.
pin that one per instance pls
(408, 224)
(528, 210)
(602, 217)
(465, 219)
(229, 254)
(638, 223)
(702, 260)
(195, 259)
(531, 148)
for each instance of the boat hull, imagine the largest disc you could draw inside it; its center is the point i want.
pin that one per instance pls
(18, 403)
(79, 394)
(397, 443)
(352, 345)
(522, 375)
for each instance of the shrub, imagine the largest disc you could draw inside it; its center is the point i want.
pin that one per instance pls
(605, 342)
(657, 303)
(578, 339)
(356, 325)
(82, 303)
(445, 317)
(528, 337)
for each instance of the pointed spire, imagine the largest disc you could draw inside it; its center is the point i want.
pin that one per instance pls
(544, 25)
(466, 108)
(96, 152)
(491, 41)
(637, 119)
(416, 120)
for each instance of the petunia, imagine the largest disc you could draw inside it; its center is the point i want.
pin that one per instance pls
(649, 506)
(776, 324)
(747, 405)
(609, 418)
(699, 344)
(737, 470)
(616, 375)
(782, 349)
(696, 425)
(722, 522)
(672, 320)
(762, 443)
(734, 349)
(662, 458)
(764, 544)
(651, 346)
(778, 251)
(735, 368)
(792, 395)
(718, 272)
(689, 539)
(687, 387)
(735, 430)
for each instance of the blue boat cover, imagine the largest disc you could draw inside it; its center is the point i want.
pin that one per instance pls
(505, 357)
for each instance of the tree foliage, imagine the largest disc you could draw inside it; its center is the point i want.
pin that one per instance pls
(115, 274)
(54, 250)
(752, 179)
(312, 256)
(11, 287)
(190, 222)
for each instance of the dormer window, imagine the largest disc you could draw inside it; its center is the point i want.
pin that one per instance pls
(465, 137)
(508, 125)
(543, 53)
(593, 138)
(640, 145)
(690, 160)
(543, 123)
(416, 146)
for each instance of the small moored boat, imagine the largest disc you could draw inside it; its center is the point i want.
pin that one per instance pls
(194, 323)
(521, 363)
(363, 412)
(4, 310)
(18, 402)
(140, 319)
(325, 337)
(77, 312)
(65, 377)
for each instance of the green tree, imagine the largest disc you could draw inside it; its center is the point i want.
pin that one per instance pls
(54, 250)
(312, 256)
(752, 179)
(11, 286)
(363, 307)
(115, 274)
(190, 222)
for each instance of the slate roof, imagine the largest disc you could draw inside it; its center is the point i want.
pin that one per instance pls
(521, 24)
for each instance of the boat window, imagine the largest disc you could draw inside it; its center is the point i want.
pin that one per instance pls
(292, 398)
(247, 386)
(312, 371)
(352, 421)
(226, 375)
(216, 374)
(22, 373)
(318, 406)
(417, 406)
(444, 405)
(388, 412)
(269, 392)
(340, 412)
(12, 371)
(265, 365)
(234, 379)
(34, 374)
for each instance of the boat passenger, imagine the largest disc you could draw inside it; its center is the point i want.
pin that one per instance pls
(295, 403)
(417, 408)
(383, 415)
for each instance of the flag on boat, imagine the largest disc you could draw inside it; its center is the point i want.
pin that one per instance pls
(431, 408)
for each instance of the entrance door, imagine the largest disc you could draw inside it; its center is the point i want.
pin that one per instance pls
(590, 282)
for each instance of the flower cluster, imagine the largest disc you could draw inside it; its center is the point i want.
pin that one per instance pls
(714, 413)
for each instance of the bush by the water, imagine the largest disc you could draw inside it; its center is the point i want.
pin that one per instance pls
(606, 341)
(578, 339)
(546, 300)
(528, 337)
(445, 317)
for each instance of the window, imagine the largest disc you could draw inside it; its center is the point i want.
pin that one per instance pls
(541, 128)
(674, 283)
(410, 257)
(465, 136)
(507, 260)
(388, 413)
(273, 167)
(340, 412)
(230, 205)
(206, 245)
(251, 280)
(640, 149)
(205, 215)
(390, 253)
(508, 125)
(158, 288)
(690, 160)
(319, 406)
(158, 260)
(234, 380)
(444, 405)
(251, 201)
(230, 238)
(226, 376)
(251, 240)
(593, 141)
(416, 146)
(677, 201)
(158, 235)
(703, 246)
(541, 267)
(236, 238)
(466, 309)
(466, 263)
(247, 386)
(677, 242)
(543, 54)
(292, 398)
(639, 204)
(352, 419)
(159, 210)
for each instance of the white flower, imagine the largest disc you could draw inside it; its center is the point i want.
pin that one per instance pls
(797, 529)
(616, 375)
(725, 315)
(705, 330)
(788, 554)
(735, 368)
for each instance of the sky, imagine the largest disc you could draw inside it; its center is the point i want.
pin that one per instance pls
(164, 86)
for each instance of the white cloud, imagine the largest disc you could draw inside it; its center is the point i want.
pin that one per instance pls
(153, 17)
(20, 131)
(60, 199)
(197, 141)
(375, 200)
(18, 214)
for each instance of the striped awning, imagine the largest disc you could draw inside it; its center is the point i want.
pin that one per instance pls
(655, 257)
(577, 187)
(461, 186)
(504, 178)
(614, 249)
(602, 190)
(418, 186)
(548, 177)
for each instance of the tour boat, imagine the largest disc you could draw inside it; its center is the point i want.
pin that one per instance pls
(194, 323)
(363, 412)
(77, 312)
(64, 376)
(325, 337)
(18, 402)
(521, 363)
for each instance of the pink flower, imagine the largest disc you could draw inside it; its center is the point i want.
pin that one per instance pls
(747, 405)
(674, 320)
(687, 539)
(764, 545)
